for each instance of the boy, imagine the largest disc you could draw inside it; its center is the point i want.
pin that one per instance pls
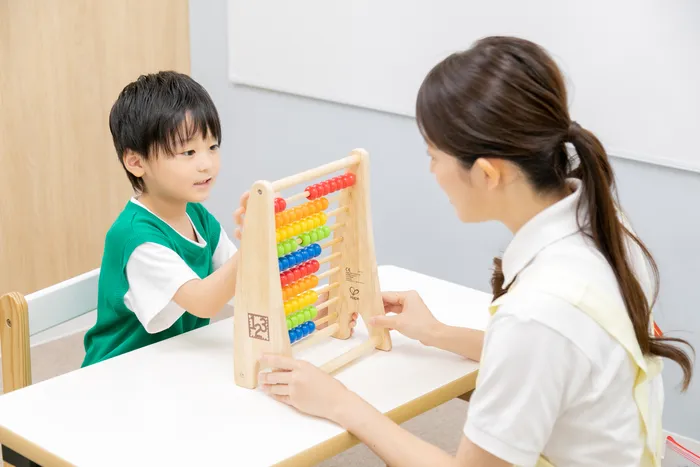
(168, 266)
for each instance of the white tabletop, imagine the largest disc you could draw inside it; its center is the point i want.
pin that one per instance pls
(176, 403)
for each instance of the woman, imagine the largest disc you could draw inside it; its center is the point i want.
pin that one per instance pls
(569, 366)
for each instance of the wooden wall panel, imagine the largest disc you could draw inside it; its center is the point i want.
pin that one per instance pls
(62, 65)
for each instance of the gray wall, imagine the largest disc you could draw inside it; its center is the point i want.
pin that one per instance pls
(269, 135)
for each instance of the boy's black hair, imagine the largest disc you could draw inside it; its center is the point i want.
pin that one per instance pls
(150, 115)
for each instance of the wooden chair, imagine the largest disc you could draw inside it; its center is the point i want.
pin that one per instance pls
(24, 316)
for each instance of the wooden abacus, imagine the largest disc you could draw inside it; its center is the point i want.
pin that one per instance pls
(275, 308)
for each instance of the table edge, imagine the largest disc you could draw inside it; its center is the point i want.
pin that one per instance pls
(400, 414)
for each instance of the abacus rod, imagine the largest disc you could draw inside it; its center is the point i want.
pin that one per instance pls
(327, 288)
(316, 335)
(283, 183)
(328, 318)
(352, 354)
(338, 211)
(302, 195)
(336, 226)
(332, 242)
(330, 272)
(325, 304)
(329, 258)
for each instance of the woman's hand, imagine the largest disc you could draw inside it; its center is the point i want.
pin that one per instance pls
(303, 386)
(409, 315)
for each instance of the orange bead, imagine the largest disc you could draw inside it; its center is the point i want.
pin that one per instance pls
(278, 220)
(324, 203)
(314, 280)
(295, 289)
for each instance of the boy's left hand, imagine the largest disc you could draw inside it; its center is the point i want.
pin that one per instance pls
(239, 214)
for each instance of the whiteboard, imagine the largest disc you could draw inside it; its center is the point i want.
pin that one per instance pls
(632, 66)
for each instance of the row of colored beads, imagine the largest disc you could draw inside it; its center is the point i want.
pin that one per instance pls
(330, 186)
(296, 273)
(303, 300)
(299, 227)
(302, 285)
(301, 331)
(297, 257)
(307, 238)
(302, 316)
(296, 213)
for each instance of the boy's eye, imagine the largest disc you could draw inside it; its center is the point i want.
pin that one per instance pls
(189, 153)
(214, 147)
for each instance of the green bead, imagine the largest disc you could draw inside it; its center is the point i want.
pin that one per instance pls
(280, 250)
(307, 315)
(326, 231)
(314, 236)
(287, 248)
(294, 244)
(295, 320)
(306, 239)
(313, 311)
(289, 323)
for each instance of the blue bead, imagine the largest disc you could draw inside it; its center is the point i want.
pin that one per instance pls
(295, 334)
(317, 249)
(298, 258)
(291, 336)
(312, 326)
(306, 329)
(285, 263)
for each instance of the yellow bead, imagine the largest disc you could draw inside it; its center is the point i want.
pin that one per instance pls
(278, 236)
(324, 217)
(313, 297)
(307, 224)
(287, 308)
(287, 232)
(294, 304)
(297, 228)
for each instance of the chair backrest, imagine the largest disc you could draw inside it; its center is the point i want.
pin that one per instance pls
(24, 316)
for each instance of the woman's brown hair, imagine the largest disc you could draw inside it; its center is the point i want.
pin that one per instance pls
(505, 98)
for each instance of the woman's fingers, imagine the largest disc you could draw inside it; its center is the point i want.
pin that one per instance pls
(276, 389)
(276, 377)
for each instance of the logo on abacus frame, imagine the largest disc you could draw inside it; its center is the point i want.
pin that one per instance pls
(258, 327)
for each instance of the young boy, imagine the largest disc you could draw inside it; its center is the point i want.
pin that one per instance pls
(168, 266)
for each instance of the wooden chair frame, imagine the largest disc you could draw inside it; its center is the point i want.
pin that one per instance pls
(23, 316)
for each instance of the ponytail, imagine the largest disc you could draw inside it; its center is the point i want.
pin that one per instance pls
(608, 234)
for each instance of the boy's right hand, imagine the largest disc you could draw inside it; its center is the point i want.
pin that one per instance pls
(238, 216)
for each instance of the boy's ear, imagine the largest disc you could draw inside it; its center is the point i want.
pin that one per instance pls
(134, 163)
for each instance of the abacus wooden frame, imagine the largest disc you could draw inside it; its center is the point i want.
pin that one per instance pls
(259, 319)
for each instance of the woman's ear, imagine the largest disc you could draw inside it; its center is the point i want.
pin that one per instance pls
(134, 163)
(490, 172)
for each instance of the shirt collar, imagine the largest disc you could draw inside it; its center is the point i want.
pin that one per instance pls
(553, 223)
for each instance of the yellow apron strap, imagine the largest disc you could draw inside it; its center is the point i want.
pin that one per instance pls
(616, 322)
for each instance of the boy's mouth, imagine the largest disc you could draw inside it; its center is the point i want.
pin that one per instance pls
(203, 182)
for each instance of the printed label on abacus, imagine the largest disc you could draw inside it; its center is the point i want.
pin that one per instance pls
(354, 277)
(258, 327)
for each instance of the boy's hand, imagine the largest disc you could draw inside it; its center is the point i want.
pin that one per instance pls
(238, 216)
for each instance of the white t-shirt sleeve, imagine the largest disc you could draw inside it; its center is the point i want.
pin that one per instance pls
(527, 370)
(225, 249)
(155, 273)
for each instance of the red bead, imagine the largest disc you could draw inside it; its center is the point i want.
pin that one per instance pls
(326, 187)
(315, 266)
(350, 177)
(306, 268)
(333, 183)
(289, 277)
(297, 273)
(310, 190)
(283, 204)
(283, 279)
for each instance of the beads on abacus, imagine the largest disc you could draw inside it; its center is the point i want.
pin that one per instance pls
(301, 324)
(280, 204)
(305, 225)
(301, 331)
(330, 186)
(297, 257)
(301, 301)
(295, 288)
(300, 212)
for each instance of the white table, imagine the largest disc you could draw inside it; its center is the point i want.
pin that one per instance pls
(175, 403)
